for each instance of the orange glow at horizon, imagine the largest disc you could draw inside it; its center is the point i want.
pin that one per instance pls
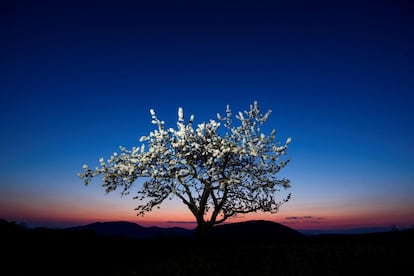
(46, 211)
(320, 221)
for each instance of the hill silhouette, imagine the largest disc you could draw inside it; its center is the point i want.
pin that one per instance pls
(249, 230)
(255, 230)
(131, 230)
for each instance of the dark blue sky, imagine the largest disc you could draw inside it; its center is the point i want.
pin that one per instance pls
(79, 77)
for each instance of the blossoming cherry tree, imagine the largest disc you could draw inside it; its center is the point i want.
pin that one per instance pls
(218, 169)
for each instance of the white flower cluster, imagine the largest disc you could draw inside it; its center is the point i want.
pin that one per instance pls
(231, 174)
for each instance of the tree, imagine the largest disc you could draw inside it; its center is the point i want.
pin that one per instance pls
(217, 175)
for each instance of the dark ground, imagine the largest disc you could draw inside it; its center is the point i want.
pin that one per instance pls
(63, 252)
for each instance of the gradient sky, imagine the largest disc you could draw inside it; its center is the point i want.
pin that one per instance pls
(78, 80)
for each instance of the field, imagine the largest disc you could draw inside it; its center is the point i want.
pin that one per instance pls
(62, 252)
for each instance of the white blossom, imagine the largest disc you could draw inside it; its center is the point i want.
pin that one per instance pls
(180, 114)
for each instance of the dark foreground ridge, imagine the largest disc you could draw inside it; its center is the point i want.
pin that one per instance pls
(45, 251)
(256, 230)
(242, 231)
(131, 230)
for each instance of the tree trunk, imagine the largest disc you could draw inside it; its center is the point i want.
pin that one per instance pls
(203, 228)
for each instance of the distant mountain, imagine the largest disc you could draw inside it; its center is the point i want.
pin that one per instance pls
(131, 230)
(351, 231)
(259, 229)
(255, 230)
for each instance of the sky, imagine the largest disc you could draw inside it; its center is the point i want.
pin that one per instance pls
(78, 78)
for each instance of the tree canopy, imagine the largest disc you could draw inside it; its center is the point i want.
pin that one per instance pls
(217, 174)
